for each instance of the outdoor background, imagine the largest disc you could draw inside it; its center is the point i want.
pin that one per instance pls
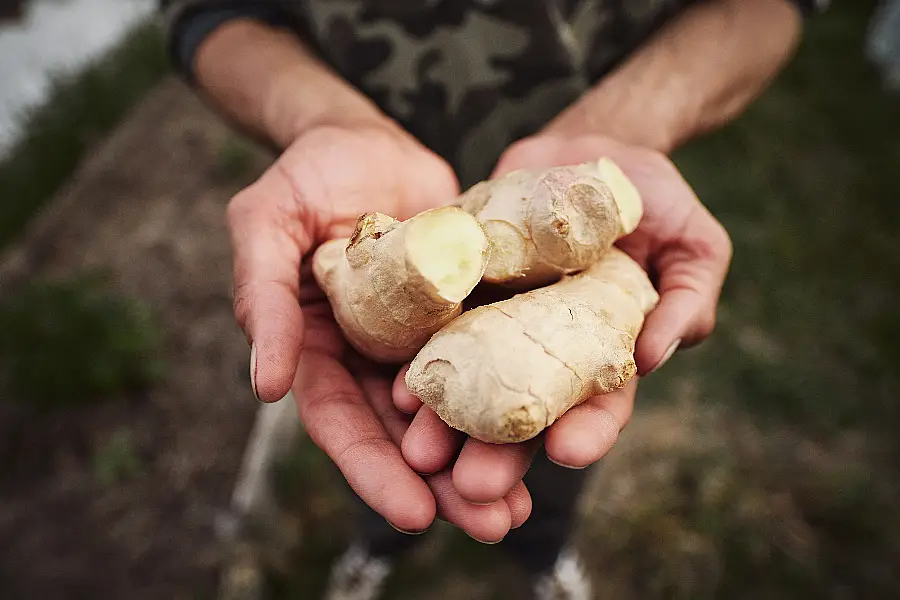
(763, 464)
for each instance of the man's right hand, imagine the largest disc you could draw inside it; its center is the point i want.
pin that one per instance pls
(342, 157)
(314, 192)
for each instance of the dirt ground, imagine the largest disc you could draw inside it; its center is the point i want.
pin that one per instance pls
(148, 208)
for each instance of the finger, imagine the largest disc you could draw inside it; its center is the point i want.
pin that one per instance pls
(554, 149)
(533, 153)
(268, 241)
(519, 502)
(341, 422)
(429, 444)
(377, 389)
(691, 274)
(585, 433)
(404, 400)
(487, 523)
(487, 472)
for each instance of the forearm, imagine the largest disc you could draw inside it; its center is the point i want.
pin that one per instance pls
(269, 83)
(696, 74)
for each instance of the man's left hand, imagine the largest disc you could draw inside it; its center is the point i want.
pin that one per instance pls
(686, 252)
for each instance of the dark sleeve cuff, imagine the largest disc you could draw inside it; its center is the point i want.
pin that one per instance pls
(193, 26)
(811, 7)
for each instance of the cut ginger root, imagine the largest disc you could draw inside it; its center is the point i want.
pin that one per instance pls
(504, 372)
(545, 224)
(393, 284)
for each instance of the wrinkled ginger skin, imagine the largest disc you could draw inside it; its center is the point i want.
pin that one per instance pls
(544, 224)
(385, 306)
(504, 372)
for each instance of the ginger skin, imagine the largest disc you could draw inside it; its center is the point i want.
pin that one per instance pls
(545, 224)
(393, 284)
(504, 372)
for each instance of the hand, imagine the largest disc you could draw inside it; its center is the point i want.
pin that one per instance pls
(312, 193)
(683, 247)
(687, 253)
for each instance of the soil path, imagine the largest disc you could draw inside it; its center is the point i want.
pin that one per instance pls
(148, 207)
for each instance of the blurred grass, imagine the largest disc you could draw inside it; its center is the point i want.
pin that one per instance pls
(312, 487)
(72, 342)
(780, 479)
(449, 565)
(701, 504)
(236, 161)
(117, 460)
(79, 110)
(807, 184)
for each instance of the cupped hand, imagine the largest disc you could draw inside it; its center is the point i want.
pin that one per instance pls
(314, 192)
(686, 252)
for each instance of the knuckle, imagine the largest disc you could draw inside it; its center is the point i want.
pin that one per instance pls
(241, 305)
(238, 208)
(357, 449)
(443, 173)
(657, 158)
(726, 246)
(654, 161)
(705, 324)
(521, 150)
(711, 242)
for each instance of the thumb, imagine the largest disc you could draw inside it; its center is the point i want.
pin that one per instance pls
(268, 240)
(678, 321)
(690, 282)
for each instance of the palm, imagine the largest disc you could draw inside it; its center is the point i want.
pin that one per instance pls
(670, 208)
(338, 174)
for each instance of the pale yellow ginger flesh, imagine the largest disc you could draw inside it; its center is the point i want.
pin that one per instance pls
(505, 371)
(544, 224)
(394, 284)
(447, 248)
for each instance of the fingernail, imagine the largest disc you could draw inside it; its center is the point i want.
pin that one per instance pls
(669, 352)
(253, 367)
(483, 541)
(565, 466)
(407, 531)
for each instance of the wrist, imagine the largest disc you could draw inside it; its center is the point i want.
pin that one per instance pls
(303, 97)
(613, 109)
(269, 81)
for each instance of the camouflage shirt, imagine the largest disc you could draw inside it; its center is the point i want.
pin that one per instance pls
(467, 77)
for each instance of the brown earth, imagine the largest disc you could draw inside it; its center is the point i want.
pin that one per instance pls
(148, 208)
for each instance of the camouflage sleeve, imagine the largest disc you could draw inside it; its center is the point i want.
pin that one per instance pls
(188, 22)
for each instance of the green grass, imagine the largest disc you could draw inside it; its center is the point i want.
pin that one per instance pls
(117, 460)
(236, 161)
(80, 110)
(74, 342)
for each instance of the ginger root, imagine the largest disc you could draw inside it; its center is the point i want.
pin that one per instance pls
(503, 372)
(544, 224)
(393, 284)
